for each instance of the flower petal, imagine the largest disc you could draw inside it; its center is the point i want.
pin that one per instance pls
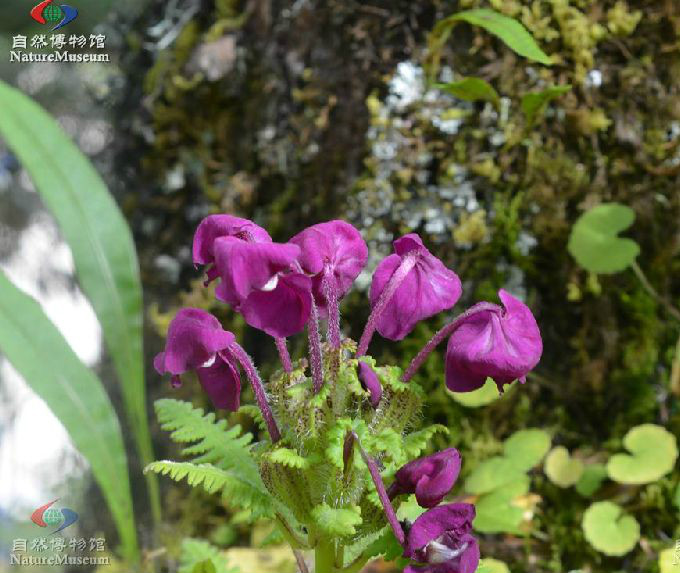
(501, 343)
(247, 267)
(215, 226)
(430, 477)
(370, 381)
(283, 311)
(221, 381)
(194, 337)
(428, 289)
(453, 518)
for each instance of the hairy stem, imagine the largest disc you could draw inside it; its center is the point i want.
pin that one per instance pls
(330, 291)
(324, 557)
(444, 333)
(258, 387)
(406, 266)
(284, 355)
(390, 514)
(315, 357)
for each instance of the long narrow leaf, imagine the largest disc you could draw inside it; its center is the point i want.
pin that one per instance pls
(101, 242)
(73, 392)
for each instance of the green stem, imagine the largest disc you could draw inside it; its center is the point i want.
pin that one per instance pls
(667, 304)
(324, 557)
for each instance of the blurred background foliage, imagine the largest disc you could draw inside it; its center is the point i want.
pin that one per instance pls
(291, 113)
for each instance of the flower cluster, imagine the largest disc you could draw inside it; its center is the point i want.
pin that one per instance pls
(283, 288)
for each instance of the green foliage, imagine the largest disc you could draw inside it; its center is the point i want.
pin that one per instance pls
(337, 522)
(471, 89)
(653, 453)
(490, 565)
(75, 394)
(526, 448)
(199, 556)
(591, 479)
(594, 240)
(609, 530)
(492, 474)
(562, 469)
(481, 397)
(101, 243)
(668, 562)
(496, 512)
(510, 31)
(534, 104)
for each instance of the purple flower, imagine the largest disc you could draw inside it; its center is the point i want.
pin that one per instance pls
(370, 381)
(430, 478)
(215, 226)
(334, 248)
(492, 341)
(427, 288)
(196, 341)
(283, 308)
(246, 267)
(440, 540)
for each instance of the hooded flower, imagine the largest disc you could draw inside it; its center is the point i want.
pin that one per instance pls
(430, 478)
(427, 289)
(370, 381)
(501, 342)
(440, 540)
(196, 341)
(282, 308)
(335, 247)
(246, 267)
(215, 226)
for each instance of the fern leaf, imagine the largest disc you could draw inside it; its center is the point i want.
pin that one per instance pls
(337, 522)
(416, 442)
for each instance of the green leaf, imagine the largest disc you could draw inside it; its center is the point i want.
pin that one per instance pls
(510, 31)
(653, 453)
(340, 522)
(386, 545)
(75, 395)
(526, 448)
(591, 479)
(288, 457)
(490, 565)
(100, 240)
(609, 530)
(480, 397)
(492, 474)
(472, 89)
(237, 489)
(561, 469)
(534, 104)
(594, 240)
(415, 442)
(496, 512)
(669, 561)
(199, 556)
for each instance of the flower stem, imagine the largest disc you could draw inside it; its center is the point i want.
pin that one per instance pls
(330, 291)
(284, 355)
(315, 357)
(260, 394)
(324, 557)
(382, 494)
(668, 305)
(445, 332)
(407, 264)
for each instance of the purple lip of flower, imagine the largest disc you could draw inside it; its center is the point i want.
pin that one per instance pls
(196, 341)
(370, 381)
(440, 540)
(334, 247)
(282, 310)
(246, 267)
(430, 477)
(501, 343)
(428, 288)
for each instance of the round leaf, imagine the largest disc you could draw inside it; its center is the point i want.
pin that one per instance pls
(489, 565)
(496, 512)
(591, 479)
(526, 448)
(561, 469)
(669, 561)
(609, 530)
(480, 397)
(594, 240)
(492, 474)
(653, 452)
